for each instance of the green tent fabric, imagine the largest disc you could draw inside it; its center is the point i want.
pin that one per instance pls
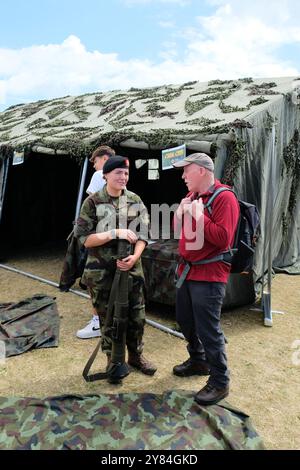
(30, 323)
(125, 421)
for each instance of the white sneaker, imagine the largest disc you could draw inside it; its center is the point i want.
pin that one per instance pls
(92, 329)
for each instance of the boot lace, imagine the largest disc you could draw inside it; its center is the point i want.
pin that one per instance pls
(208, 387)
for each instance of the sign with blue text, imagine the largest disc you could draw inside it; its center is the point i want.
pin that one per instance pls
(170, 156)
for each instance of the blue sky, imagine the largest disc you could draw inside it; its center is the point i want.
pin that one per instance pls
(51, 48)
(132, 29)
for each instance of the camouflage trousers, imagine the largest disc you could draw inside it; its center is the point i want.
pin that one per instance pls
(136, 313)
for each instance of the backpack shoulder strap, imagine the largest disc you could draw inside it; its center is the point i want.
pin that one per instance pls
(213, 197)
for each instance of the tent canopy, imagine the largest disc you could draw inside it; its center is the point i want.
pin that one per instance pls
(157, 116)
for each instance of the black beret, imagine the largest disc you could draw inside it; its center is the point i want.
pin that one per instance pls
(115, 162)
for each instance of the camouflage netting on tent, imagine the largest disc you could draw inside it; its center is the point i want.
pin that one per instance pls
(159, 116)
(171, 421)
(28, 324)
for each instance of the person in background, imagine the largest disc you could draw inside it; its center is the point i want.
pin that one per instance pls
(98, 159)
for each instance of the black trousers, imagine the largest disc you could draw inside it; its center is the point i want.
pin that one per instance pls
(198, 311)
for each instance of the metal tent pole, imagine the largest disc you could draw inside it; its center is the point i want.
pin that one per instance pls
(80, 193)
(267, 291)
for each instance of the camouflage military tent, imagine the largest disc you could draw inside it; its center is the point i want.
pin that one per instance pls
(251, 127)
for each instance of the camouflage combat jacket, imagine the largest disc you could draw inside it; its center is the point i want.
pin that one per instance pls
(100, 213)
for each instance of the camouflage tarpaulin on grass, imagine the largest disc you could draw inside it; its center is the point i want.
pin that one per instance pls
(131, 421)
(30, 323)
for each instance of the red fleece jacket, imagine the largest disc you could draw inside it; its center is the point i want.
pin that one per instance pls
(219, 232)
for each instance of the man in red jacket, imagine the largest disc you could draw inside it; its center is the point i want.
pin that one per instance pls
(202, 282)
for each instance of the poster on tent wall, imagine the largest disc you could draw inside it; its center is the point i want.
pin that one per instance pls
(173, 155)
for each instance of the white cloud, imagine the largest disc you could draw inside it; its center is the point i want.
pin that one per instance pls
(166, 24)
(236, 41)
(242, 39)
(170, 50)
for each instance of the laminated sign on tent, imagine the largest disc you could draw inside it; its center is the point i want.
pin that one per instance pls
(250, 127)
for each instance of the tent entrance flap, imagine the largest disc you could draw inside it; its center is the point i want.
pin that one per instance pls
(40, 200)
(4, 165)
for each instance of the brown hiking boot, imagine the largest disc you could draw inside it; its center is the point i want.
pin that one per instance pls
(138, 361)
(210, 395)
(189, 368)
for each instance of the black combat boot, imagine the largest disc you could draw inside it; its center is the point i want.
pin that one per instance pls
(210, 395)
(138, 361)
(189, 368)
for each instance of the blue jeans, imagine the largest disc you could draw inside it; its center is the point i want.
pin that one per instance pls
(198, 311)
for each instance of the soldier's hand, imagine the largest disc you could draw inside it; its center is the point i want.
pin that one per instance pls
(126, 234)
(127, 263)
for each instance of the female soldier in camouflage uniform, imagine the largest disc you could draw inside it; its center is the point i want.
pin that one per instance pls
(105, 216)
